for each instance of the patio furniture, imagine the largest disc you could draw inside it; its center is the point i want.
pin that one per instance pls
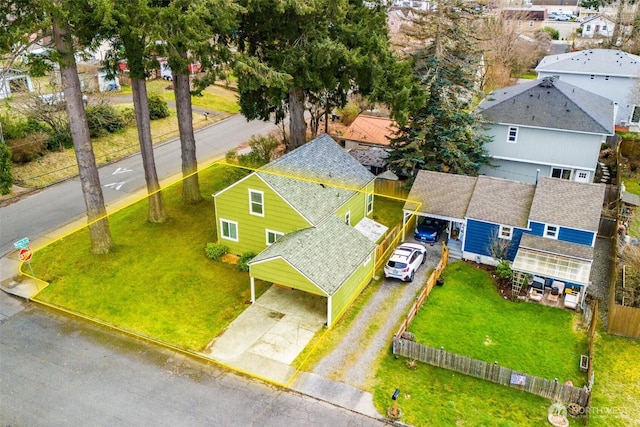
(535, 294)
(571, 298)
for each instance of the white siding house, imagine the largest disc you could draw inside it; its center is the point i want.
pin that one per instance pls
(607, 72)
(598, 26)
(545, 128)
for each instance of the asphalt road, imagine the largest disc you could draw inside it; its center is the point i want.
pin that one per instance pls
(56, 206)
(61, 371)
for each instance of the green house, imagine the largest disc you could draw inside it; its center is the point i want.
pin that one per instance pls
(297, 213)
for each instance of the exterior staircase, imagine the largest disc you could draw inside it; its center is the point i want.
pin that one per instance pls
(455, 249)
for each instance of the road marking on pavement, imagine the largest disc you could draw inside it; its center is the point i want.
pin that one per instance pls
(115, 185)
(121, 170)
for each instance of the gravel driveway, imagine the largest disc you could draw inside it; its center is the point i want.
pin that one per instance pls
(354, 357)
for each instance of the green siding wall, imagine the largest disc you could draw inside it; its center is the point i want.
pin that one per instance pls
(357, 206)
(352, 287)
(281, 272)
(233, 204)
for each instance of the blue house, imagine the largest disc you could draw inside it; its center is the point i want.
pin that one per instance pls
(547, 230)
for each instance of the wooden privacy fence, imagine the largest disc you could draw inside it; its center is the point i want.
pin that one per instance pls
(431, 282)
(386, 187)
(551, 389)
(624, 321)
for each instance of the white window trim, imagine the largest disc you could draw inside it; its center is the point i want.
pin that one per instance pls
(571, 173)
(251, 202)
(367, 204)
(546, 230)
(278, 234)
(505, 228)
(222, 236)
(515, 137)
(347, 218)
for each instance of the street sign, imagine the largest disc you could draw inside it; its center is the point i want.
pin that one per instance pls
(25, 255)
(22, 243)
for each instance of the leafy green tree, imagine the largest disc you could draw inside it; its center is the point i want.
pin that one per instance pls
(62, 21)
(441, 133)
(294, 51)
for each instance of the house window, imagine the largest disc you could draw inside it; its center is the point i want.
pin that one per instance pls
(589, 29)
(229, 230)
(506, 232)
(604, 28)
(369, 203)
(635, 117)
(256, 202)
(561, 173)
(347, 218)
(513, 134)
(272, 236)
(551, 231)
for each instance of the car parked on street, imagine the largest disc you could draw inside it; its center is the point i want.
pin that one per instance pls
(405, 261)
(429, 229)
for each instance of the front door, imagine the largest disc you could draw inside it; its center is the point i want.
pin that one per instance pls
(582, 176)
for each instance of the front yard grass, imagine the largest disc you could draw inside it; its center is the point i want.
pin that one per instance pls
(467, 316)
(158, 281)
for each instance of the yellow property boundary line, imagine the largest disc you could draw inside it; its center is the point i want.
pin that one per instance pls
(127, 202)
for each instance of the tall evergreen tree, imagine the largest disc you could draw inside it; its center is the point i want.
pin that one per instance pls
(131, 27)
(194, 30)
(292, 49)
(441, 133)
(62, 21)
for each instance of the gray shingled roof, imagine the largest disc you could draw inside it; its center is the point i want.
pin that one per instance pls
(609, 62)
(550, 103)
(442, 194)
(501, 201)
(304, 177)
(568, 203)
(327, 254)
(324, 161)
(558, 247)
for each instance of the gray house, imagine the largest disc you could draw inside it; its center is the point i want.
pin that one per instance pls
(607, 72)
(545, 128)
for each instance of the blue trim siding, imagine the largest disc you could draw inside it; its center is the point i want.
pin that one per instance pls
(479, 234)
(565, 234)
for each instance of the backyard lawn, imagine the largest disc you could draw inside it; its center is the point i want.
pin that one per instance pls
(616, 390)
(467, 316)
(158, 281)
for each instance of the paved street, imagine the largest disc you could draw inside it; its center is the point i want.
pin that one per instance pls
(56, 370)
(63, 203)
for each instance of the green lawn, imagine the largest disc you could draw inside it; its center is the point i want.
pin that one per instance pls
(431, 396)
(387, 211)
(158, 281)
(616, 391)
(467, 316)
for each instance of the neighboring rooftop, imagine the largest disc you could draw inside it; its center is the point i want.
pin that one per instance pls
(441, 194)
(501, 201)
(371, 156)
(568, 203)
(609, 62)
(371, 130)
(550, 103)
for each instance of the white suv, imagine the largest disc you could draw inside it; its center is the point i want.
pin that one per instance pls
(404, 261)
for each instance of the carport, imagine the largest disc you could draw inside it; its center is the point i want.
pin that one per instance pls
(332, 260)
(441, 196)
